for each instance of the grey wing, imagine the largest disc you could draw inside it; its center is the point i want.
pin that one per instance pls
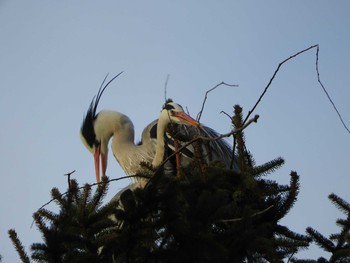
(149, 133)
(220, 149)
(212, 150)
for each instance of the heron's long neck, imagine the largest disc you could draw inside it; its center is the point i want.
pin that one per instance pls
(161, 127)
(116, 124)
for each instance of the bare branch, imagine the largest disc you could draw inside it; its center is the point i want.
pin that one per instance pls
(240, 218)
(228, 115)
(68, 175)
(94, 184)
(273, 77)
(318, 79)
(325, 91)
(206, 96)
(233, 150)
(166, 87)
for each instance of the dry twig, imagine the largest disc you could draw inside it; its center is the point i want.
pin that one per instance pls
(68, 177)
(318, 79)
(325, 91)
(166, 87)
(240, 218)
(273, 77)
(206, 96)
(94, 184)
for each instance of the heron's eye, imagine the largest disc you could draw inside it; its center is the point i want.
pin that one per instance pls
(168, 107)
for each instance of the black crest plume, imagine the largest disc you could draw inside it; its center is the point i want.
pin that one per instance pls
(87, 127)
(167, 106)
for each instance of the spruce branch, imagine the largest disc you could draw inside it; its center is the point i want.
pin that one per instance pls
(268, 168)
(18, 245)
(43, 213)
(292, 235)
(237, 124)
(290, 198)
(38, 219)
(338, 243)
(321, 240)
(340, 203)
(341, 255)
(100, 192)
(57, 195)
(344, 223)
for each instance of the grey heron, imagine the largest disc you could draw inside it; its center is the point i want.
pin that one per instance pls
(98, 128)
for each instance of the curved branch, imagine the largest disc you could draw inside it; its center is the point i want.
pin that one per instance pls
(273, 77)
(318, 79)
(206, 96)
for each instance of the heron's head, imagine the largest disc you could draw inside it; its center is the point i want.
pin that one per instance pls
(173, 112)
(92, 133)
(96, 143)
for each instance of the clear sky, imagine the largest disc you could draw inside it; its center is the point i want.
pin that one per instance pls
(55, 54)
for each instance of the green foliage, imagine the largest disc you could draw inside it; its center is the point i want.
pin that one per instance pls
(77, 232)
(18, 245)
(337, 244)
(208, 214)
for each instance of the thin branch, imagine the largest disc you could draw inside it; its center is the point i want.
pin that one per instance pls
(290, 257)
(241, 218)
(223, 112)
(325, 91)
(206, 96)
(233, 150)
(166, 88)
(94, 184)
(234, 141)
(318, 79)
(273, 77)
(68, 175)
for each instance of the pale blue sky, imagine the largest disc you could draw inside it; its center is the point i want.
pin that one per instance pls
(55, 54)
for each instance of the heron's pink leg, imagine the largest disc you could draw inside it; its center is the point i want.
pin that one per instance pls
(178, 158)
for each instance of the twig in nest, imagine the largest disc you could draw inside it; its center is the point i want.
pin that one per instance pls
(254, 119)
(206, 96)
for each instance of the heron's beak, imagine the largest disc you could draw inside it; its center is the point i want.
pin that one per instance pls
(186, 119)
(97, 156)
